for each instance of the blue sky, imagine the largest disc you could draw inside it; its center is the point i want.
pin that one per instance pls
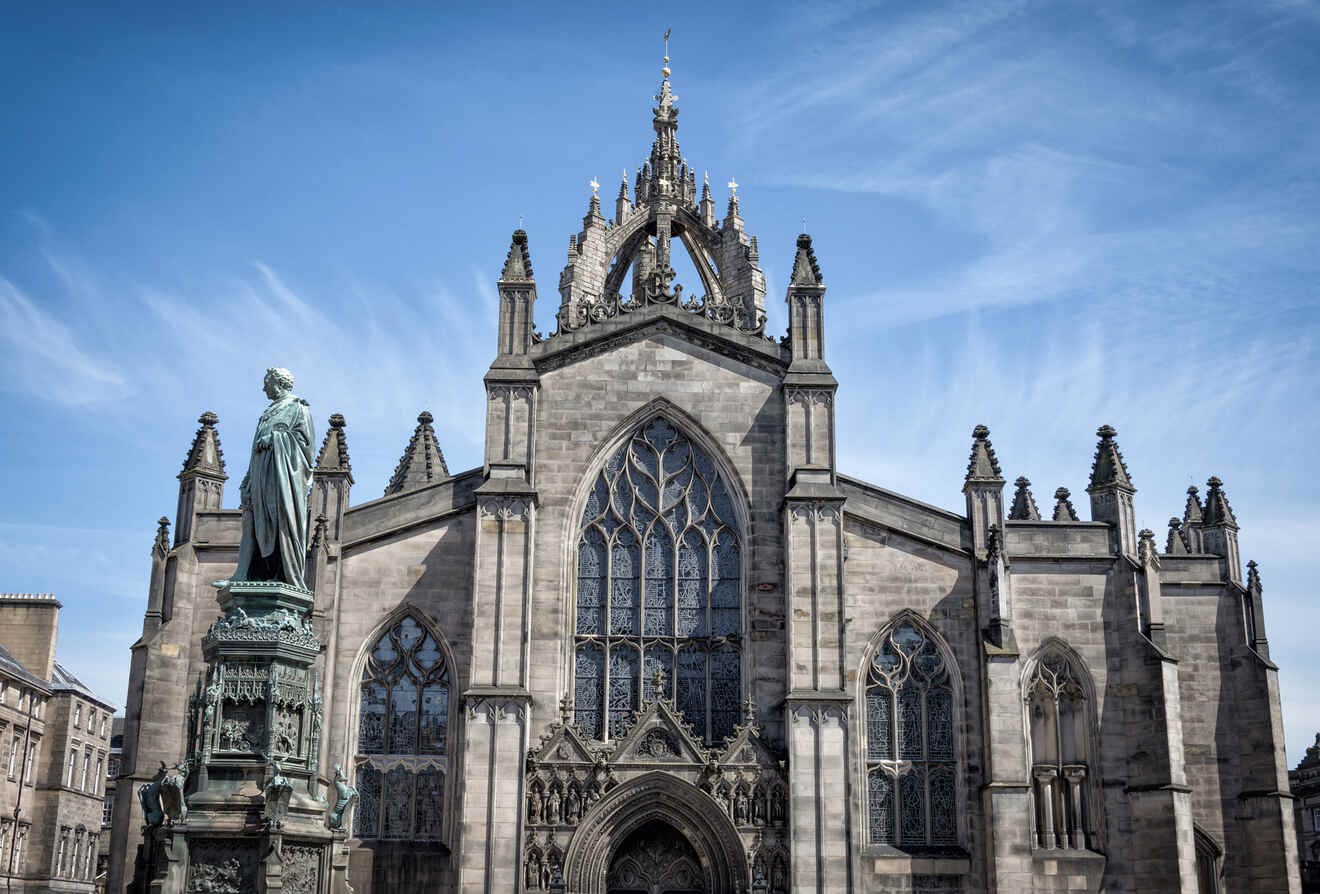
(1042, 217)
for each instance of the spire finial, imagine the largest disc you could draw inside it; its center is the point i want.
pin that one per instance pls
(665, 71)
(733, 187)
(595, 188)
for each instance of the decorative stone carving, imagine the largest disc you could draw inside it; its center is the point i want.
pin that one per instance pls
(505, 508)
(172, 800)
(658, 746)
(220, 866)
(302, 869)
(278, 791)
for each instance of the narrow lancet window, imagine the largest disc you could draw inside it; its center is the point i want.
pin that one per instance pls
(1061, 767)
(659, 589)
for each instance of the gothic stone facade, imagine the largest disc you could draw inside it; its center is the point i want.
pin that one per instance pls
(658, 641)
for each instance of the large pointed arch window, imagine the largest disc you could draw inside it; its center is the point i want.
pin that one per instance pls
(659, 589)
(911, 763)
(403, 736)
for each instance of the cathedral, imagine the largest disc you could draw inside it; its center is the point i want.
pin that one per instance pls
(659, 642)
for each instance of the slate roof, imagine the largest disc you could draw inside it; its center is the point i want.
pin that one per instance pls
(10, 665)
(63, 681)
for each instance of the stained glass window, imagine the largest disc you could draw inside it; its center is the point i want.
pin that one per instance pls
(659, 589)
(403, 726)
(911, 772)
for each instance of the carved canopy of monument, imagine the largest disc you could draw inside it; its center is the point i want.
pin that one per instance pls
(659, 578)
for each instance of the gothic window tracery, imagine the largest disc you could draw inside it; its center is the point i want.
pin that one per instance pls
(1061, 763)
(910, 758)
(403, 725)
(659, 584)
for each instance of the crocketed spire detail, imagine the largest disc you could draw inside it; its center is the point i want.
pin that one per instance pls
(1063, 507)
(334, 449)
(518, 263)
(1177, 544)
(983, 466)
(1108, 469)
(806, 271)
(205, 455)
(161, 545)
(422, 462)
(1217, 510)
(1253, 577)
(1192, 513)
(1024, 504)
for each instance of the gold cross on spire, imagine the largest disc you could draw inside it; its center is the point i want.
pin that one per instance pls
(594, 187)
(733, 186)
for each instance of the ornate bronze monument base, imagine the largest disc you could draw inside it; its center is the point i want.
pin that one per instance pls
(243, 812)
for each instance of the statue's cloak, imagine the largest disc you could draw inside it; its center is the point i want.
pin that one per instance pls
(274, 494)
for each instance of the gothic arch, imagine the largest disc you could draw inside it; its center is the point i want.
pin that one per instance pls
(690, 428)
(863, 754)
(623, 241)
(352, 730)
(1209, 865)
(1086, 820)
(656, 797)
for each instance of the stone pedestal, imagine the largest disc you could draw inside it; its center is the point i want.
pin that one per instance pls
(243, 811)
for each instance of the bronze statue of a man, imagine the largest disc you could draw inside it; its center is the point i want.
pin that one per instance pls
(275, 489)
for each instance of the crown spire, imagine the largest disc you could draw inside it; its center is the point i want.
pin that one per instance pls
(422, 462)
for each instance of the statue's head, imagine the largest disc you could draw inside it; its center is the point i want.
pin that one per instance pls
(279, 382)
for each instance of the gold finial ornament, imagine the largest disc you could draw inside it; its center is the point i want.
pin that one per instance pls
(733, 186)
(594, 187)
(665, 71)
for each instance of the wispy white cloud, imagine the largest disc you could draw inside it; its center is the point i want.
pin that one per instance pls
(44, 355)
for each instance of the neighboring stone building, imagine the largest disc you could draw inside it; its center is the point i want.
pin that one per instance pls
(1305, 783)
(54, 742)
(658, 641)
(108, 801)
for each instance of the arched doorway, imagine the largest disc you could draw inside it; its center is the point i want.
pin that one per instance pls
(655, 820)
(655, 859)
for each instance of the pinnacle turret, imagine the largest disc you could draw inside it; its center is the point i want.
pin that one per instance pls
(517, 263)
(161, 545)
(1192, 512)
(1177, 544)
(1063, 507)
(806, 271)
(205, 455)
(422, 462)
(983, 465)
(1108, 468)
(333, 458)
(1024, 504)
(1217, 510)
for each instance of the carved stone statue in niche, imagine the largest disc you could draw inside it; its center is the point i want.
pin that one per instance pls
(572, 806)
(552, 807)
(534, 806)
(740, 808)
